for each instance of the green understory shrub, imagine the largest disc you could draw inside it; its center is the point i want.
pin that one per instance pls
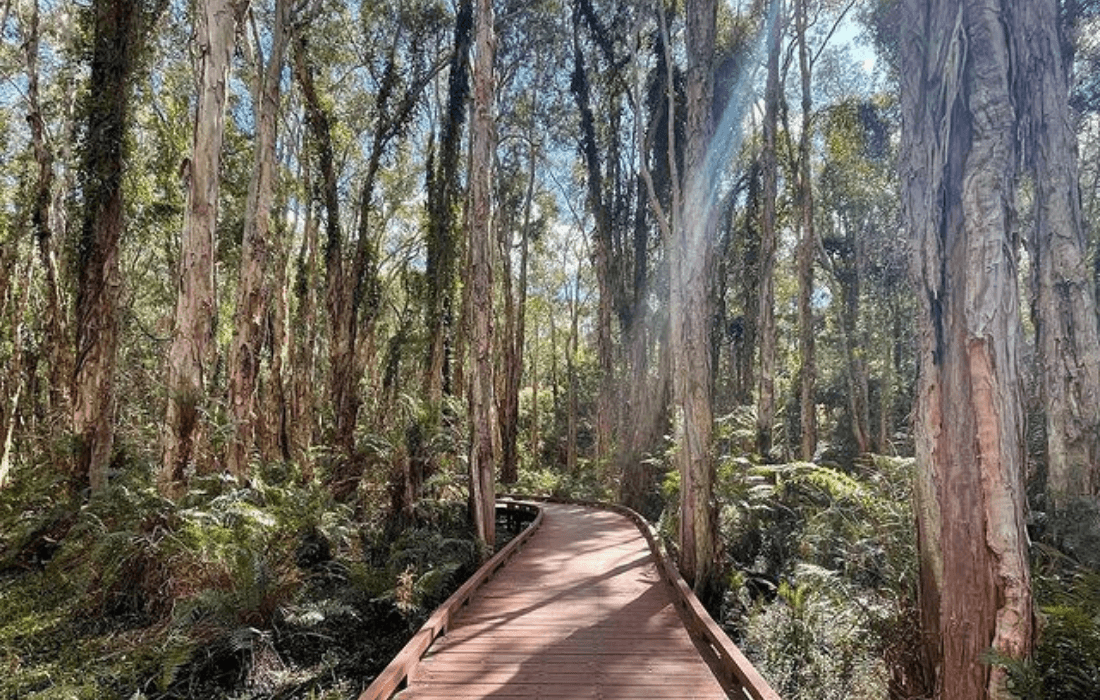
(1065, 664)
(819, 560)
(263, 590)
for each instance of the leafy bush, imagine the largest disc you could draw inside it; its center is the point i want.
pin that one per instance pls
(814, 641)
(820, 559)
(1065, 664)
(584, 485)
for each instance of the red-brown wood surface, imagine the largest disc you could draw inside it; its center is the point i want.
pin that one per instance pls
(580, 612)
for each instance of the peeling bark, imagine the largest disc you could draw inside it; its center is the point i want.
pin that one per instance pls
(253, 287)
(191, 356)
(481, 401)
(1063, 298)
(691, 254)
(958, 164)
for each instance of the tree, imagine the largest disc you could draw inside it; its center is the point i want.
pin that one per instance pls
(256, 249)
(443, 193)
(957, 167)
(480, 225)
(690, 258)
(47, 219)
(807, 248)
(118, 30)
(191, 355)
(765, 400)
(1063, 298)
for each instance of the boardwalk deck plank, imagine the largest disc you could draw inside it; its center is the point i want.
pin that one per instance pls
(580, 612)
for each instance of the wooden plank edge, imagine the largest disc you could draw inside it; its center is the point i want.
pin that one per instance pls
(726, 660)
(398, 670)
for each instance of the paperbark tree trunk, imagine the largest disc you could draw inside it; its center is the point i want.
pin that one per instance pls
(192, 352)
(303, 348)
(12, 381)
(117, 39)
(481, 401)
(1063, 298)
(44, 217)
(603, 249)
(690, 254)
(807, 366)
(320, 130)
(765, 400)
(442, 243)
(256, 252)
(957, 169)
(515, 303)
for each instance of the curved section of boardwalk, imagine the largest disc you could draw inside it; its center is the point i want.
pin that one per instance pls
(580, 612)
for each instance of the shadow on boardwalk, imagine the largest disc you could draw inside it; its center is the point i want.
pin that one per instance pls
(580, 613)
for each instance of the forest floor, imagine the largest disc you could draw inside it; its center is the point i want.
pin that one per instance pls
(233, 593)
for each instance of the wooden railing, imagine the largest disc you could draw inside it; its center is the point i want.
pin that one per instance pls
(397, 672)
(738, 676)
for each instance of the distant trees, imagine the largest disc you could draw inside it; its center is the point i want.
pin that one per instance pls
(462, 241)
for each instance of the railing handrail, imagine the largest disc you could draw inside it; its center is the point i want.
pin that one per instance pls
(736, 673)
(397, 671)
(729, 665)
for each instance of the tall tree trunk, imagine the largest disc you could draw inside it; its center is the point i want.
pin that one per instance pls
(515, 328)
(442, 244)
(13, 382)
(603, 248)
(744, 331)
(192, 351)
(43, 219)
(572, 405)
(847, 274)
(957, 161)
(807, 367)
(536, 437)
(302, 362)
(765, 401)
(117, 39)
(342, 393)
(256, 253)
(1062, 289)
(481, 401)
(690, 256)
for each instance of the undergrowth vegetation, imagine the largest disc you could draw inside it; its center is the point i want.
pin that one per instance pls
(270, 590)
(277, 589)
(822, 579)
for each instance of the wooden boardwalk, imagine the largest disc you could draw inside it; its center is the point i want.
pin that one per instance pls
(580, 612)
